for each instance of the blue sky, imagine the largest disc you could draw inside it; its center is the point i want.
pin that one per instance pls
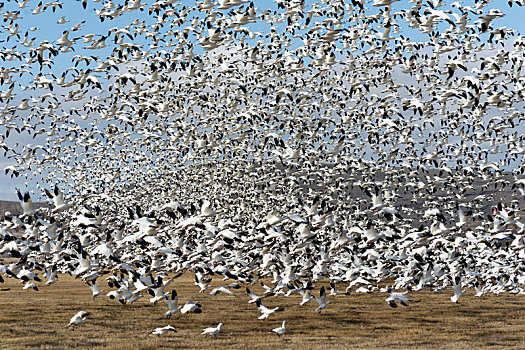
(49, 29)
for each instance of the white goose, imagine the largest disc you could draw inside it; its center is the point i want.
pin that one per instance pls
(78, 319)
(191, 306)
(172, 301)
(163, 330)
(395, 298)
(27, 204)
(212, 331)
(456, 285)
(279, 330)
(58, 199)
(323, 303)
(94, 288)
(265, 312)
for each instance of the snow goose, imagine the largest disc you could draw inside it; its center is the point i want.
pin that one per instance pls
(376, 196)
(279, 330)
(212, 331)
(27, 204)
(78, 319)
(202, 282)
(321, 300)
(163, 330)
(397, 298)
(221, 289)
(51, 275)
(172, 301)
(191, 306)
(94, 288)
(306, 294)
(265, 312)
(456, 285)
(206, 210)
(30, 285)
(58, 199)
(157, 291)
(254, 297)
(333, 289)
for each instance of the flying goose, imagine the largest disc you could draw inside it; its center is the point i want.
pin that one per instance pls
(323, 303)
(265, 312)
(456, 285)
(172, 304)
(27, 204)
(163, 330)
(58, 199)
(78, 319)
(395, 298)
(191, 306)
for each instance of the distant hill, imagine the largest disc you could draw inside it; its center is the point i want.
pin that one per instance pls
(14, 207)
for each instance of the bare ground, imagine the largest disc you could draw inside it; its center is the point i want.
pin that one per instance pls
(30, 319)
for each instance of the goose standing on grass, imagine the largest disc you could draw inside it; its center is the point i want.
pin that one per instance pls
(279, 330)
(78, 319)
(212, 331)
(163, 330)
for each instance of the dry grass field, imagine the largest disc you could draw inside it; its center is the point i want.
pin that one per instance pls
(30, 319)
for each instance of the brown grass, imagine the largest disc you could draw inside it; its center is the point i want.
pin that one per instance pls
(30, 319)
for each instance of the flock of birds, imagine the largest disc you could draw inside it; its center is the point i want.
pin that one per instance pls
(359, 142)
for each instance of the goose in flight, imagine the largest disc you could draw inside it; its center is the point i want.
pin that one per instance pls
(265, 312)
(395, 298)
(376, 196)
(456, 285)
(94, 288)
(202, 282)
(157, 291)
(30, 285)
(254, 297)
(206, 210)
(78, 319)
(333, 289)
(221, 289)
(27, 204)
(212, 331)
(191, 306)
(58, 199)
(172, 304)
(306, 293)
(323, 303)
(163, 330)
(51, 275)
